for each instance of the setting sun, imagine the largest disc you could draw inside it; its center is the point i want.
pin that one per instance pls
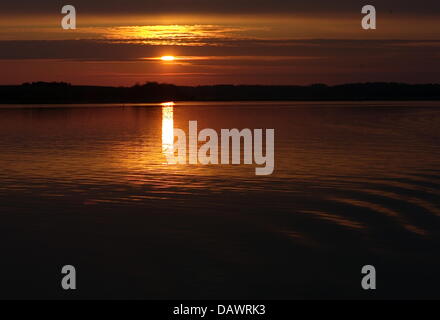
(167, 58)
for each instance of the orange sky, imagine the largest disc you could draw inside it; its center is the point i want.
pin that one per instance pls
(259, 47)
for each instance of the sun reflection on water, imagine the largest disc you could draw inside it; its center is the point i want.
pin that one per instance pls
(168, 129)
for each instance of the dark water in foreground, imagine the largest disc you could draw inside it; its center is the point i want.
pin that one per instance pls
(355, 184)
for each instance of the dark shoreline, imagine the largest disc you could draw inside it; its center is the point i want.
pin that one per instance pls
(64, 93)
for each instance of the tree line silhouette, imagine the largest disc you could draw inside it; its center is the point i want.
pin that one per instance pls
(60, 92)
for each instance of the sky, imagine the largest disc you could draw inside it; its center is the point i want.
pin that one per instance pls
(275, 42)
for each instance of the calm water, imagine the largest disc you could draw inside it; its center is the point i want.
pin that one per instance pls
(354, 184)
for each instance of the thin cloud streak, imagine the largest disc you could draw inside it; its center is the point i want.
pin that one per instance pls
(121, 50)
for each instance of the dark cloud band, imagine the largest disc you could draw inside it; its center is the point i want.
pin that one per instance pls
(311, 7)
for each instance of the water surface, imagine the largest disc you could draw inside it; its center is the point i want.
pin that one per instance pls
(354, 184)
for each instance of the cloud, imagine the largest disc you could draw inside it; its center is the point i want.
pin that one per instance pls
(126, 50)
(142, 7)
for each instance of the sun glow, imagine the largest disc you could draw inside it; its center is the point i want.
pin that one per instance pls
(168, 58)
(194, 35)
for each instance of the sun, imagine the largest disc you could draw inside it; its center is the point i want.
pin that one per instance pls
(168, 58)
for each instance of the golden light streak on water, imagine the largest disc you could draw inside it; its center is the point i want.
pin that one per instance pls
(168, 129)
